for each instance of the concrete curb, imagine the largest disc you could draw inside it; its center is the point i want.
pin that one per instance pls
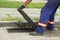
(21, 24)
(14, 24)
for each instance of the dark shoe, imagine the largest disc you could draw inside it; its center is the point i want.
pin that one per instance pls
(39, 31)
(35, 34)
(50, 27)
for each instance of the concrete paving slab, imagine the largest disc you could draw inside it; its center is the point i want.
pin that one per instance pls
(26, 36)
(5, 35)
(32, 13)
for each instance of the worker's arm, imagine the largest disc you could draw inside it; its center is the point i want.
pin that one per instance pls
(25, 3)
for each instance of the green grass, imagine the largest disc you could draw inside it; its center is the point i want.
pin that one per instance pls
(35, 5)
(16, 4)
(5, 4)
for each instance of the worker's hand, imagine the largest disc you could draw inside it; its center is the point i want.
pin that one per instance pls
(22, 7)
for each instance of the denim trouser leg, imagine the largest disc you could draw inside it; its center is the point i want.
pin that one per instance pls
(48, 12)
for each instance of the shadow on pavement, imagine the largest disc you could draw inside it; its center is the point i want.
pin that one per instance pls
(46, 34)
(19, 30)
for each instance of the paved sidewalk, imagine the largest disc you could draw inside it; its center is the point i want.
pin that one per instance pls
(22, 35)
(32, 13)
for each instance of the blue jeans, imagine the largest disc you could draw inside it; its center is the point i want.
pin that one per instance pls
(48, 11)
